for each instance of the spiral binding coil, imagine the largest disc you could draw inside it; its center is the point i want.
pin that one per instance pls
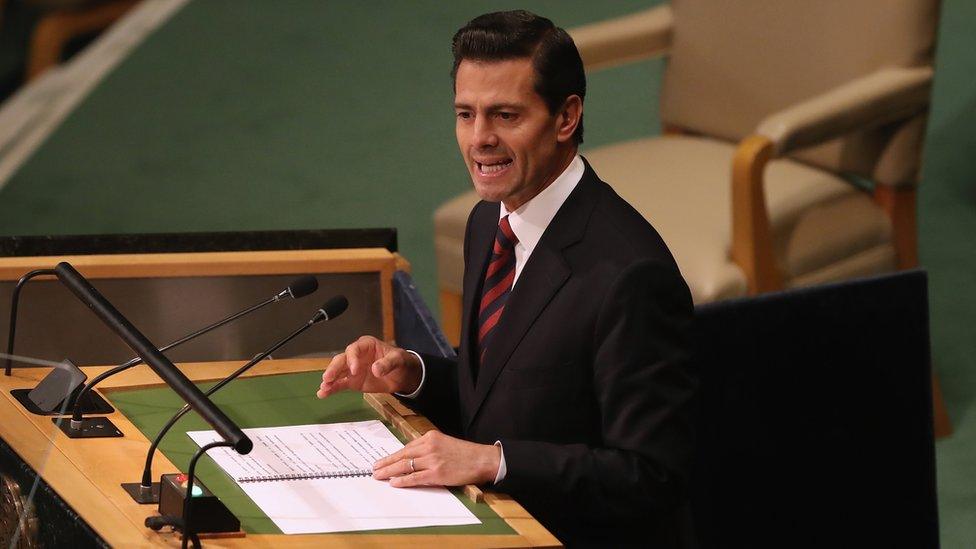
(308, 476)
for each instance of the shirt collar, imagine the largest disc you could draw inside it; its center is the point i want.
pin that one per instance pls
(530, 220)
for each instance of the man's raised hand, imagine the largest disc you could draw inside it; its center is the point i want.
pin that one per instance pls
(371, 366)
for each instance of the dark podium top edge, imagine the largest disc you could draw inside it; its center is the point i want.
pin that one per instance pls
(233, 241)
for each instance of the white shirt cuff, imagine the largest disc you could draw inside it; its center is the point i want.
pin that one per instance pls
(423, 376)
(502, 470)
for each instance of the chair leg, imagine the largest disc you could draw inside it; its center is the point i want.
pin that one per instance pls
(451, 316)
(940, 415)
(899, 204)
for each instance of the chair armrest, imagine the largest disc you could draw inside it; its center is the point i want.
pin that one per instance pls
(883, 96)
(625, 39)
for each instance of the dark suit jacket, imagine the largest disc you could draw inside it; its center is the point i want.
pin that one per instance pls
(586, 381)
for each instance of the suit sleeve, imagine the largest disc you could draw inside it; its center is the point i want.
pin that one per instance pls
(643, 384)
(438, 398)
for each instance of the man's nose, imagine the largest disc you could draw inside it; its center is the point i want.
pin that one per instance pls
(484, 133)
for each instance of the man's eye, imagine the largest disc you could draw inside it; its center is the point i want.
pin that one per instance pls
(463, 115)
(506, 115)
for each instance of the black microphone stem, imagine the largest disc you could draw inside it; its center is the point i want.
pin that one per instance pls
(76, 415)
(142, 346)
(147, 472)
(14, 298)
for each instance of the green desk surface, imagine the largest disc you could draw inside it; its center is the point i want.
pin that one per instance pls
(270, 401)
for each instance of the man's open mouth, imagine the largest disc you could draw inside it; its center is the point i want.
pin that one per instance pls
(494, 166)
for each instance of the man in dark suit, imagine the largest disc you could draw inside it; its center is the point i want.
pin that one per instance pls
(571, 391)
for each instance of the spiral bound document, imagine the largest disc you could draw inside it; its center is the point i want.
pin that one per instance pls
(318, 478)
(307, 476)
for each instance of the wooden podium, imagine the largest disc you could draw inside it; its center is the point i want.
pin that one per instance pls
(79, 499)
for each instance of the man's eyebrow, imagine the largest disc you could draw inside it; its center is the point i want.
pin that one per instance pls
(505, 107)
(494, 107)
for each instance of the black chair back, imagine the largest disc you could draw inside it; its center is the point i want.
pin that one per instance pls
(815, 418)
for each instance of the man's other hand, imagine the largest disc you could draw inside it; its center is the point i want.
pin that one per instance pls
(369, 365)
(436, 459)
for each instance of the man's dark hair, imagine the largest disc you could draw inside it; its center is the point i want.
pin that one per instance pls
(505, 35)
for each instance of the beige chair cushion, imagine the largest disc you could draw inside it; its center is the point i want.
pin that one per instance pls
(823, 228)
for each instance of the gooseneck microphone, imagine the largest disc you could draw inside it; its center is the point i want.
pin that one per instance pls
(330, 310)
(14, 299)
(141, 345)
(300, 287)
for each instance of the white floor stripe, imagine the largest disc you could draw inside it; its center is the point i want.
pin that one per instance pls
(33, 113)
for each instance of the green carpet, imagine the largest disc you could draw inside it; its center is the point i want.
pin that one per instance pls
(947, 221)
(313, 114)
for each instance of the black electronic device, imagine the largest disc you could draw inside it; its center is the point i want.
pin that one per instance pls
(210, 515)
(57, 392)
(90, 403)
(57, 386)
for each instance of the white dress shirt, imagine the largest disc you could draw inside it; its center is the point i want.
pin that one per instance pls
(528, 222)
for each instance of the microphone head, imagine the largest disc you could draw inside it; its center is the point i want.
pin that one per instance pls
(332, 308)
(302, 286)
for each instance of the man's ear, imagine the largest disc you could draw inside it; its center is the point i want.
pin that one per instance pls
(568, 118)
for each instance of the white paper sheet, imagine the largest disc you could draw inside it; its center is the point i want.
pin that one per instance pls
(331, 504)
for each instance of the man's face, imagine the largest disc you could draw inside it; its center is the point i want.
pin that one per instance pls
(512, 145)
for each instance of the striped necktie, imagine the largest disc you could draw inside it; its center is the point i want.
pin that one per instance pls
(497, 285)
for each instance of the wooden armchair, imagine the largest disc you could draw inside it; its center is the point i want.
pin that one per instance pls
(791, 100)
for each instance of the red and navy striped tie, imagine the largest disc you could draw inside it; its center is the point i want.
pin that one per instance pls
(498, 283)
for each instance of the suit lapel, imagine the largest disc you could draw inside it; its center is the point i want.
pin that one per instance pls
(541, 278)
(482, 236)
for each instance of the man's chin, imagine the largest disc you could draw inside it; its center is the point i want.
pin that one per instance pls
(488, 192)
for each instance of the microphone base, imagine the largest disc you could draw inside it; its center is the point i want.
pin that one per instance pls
(91, 427)
(135, 490)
